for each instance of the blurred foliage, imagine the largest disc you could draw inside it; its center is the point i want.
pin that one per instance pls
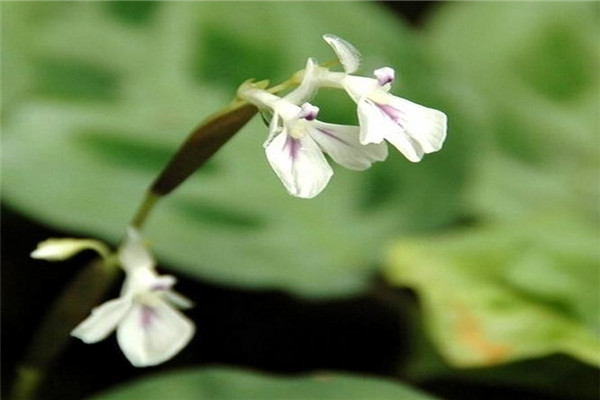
(95, 102)
(532, 69)
(98, 95)
(523, 282)
(493, 295)
(230, 384)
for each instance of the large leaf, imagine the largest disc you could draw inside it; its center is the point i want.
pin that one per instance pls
(532, 68)
(493, 295)
(99, 95)
(231, 384)
(524, 284)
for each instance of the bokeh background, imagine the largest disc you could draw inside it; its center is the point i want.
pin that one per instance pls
(473, 274)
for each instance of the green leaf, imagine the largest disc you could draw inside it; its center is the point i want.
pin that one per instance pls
(532, 69)
(98, 99)
(231, 384)
(503, 293)
(538, 377)
(522, 85)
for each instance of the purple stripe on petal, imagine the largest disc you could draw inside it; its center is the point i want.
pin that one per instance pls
(393, 113)
(148, 315)
(292, 146)
(331, 135)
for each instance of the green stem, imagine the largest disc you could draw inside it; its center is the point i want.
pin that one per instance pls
(143, 212)
(92, 282)
(201, 145)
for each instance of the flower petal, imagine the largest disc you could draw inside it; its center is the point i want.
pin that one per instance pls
(134, 254)
(385, 75)
(379, 123)
(163, 282)
(152, 334)
(64, 248)
(347, 54)
(307, 89)
(177, 299)
(103, 320)
(308, 112)
(142, 280)
(373, 124)
(342, 144)
(274, 129)
(359, 87)
(300, 165)
(424, 125)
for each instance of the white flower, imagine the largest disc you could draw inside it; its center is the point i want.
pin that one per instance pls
(297, 141)
(413, 129)
(149, 328)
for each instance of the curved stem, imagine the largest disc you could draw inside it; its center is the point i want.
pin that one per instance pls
(144, 210)
(93, 281)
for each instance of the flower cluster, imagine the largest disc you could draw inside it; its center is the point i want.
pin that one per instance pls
(297, 140)
(150, 329)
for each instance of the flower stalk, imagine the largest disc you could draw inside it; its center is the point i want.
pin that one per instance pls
(146, 316)
(144, 210)
(201, 145)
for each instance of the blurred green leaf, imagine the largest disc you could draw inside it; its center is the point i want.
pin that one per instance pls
(524, 283)
(231, 384)
(504, 293)
(85, 135)
(538, 377)
(543, 377)
(533, 68)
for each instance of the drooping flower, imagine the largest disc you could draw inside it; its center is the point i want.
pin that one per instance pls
(413, 129)
(297, 141)
(150, 329)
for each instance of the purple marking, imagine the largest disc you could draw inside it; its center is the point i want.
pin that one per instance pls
(148, 315)
(309, 112)
(392, 112)
(331, 135)
(292, 146)
(161, 286)
(384, 75)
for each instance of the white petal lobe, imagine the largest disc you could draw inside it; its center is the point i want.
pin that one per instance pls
(359, 87)
(342, 144)
(300, 165)
(274, 128)
(103, 320)
(373, 124)
(141, 280)
(377, 125)
(150, 335)
(134, 254)
(177, 299)
(425, 126)
(308, 88)
(348, 55)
